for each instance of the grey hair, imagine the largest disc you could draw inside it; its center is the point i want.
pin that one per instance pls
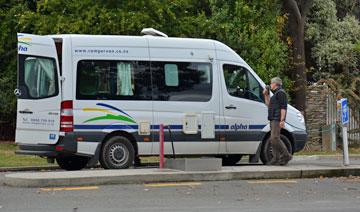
(276, 80)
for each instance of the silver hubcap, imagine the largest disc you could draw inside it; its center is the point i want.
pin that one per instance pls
(119, 154)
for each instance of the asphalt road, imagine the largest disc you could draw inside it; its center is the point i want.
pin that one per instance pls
(335, 194)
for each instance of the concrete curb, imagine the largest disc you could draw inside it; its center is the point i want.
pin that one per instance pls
(139, 176)
(48, 168)
(323, 157)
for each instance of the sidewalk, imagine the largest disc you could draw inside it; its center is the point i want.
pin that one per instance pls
(300, 167)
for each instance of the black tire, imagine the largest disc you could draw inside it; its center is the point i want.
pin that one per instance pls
(117, 153)
(230, 160)
(266, 150)
(72, 163)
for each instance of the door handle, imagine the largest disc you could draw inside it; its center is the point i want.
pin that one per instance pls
(25, 112)
(230, 107)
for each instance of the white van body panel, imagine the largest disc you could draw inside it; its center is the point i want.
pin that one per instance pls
(174, 112)
(67, 69)
(95, 48)
(295, 120)
(38, 119)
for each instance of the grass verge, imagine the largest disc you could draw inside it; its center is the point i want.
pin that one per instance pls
(352, 151)
(8, 158)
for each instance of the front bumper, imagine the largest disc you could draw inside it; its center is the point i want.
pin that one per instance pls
(300, 138)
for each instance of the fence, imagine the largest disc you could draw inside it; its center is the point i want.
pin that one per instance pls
(354, 118)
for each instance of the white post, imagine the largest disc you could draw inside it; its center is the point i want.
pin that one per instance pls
(346, 160)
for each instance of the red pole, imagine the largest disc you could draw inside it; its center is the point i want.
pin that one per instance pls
(161, 146)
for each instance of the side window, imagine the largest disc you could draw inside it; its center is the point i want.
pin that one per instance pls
(181, 81)
(38, 76)
(235, 80)
(113, 80)
(255, 89)
(240, 83)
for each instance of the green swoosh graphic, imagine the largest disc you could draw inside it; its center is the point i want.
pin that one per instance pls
(111, 117)
(26, 43)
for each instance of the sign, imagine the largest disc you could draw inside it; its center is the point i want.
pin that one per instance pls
(343, 111)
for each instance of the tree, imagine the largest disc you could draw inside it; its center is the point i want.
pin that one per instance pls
(9, 16)
(298, 10)
(254, 32)
(347, 7)
(334, 42)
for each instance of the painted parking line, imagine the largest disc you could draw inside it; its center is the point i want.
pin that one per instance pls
(271, 181)
(172, 184)
(69, 188)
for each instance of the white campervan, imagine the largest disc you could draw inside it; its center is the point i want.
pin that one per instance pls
(89, 98)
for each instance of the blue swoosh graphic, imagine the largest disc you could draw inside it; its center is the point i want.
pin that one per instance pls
(114, 108)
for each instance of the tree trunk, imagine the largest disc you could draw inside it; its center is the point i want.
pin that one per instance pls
(300, 68)
(298, 10)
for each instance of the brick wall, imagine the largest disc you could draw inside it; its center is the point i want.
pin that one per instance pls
(315, 114)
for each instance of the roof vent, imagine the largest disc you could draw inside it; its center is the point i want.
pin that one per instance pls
(153, 32)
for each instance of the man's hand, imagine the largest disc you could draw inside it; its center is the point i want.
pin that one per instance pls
(282, 124)
(265, 92)
(282, 118)
(266, 96)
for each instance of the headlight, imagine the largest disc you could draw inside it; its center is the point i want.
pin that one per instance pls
(300, 117)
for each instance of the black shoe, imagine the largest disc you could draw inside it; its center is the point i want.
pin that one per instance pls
(273, 161)
(285, 160)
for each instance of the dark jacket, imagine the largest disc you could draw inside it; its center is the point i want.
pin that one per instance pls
(277, 102)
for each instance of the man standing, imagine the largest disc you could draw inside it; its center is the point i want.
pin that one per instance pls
(277, 106)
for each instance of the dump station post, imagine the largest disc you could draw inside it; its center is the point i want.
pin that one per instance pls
(343, 113)
(161, 146)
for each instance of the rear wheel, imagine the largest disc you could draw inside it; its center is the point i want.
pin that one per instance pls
(266, 150)
(72, 163)
(117, 153)
(230, 160)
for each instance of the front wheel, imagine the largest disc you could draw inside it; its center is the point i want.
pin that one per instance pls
(266, 150)
(117, 153)
(72, 163)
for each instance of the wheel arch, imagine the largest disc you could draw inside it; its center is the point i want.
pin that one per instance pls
(283, 132)
(125, 134)
(290, 137)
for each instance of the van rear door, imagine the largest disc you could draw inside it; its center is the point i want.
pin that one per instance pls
(38, 91)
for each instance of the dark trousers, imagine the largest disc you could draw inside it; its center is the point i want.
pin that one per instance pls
(279, 150)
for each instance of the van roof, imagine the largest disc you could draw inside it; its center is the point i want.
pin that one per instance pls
(144, 41)
(155, 41)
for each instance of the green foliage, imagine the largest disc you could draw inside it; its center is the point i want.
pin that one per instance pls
(9, 16)
(251, 28)
(254, 33)
(334, 41)
(357, 47)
